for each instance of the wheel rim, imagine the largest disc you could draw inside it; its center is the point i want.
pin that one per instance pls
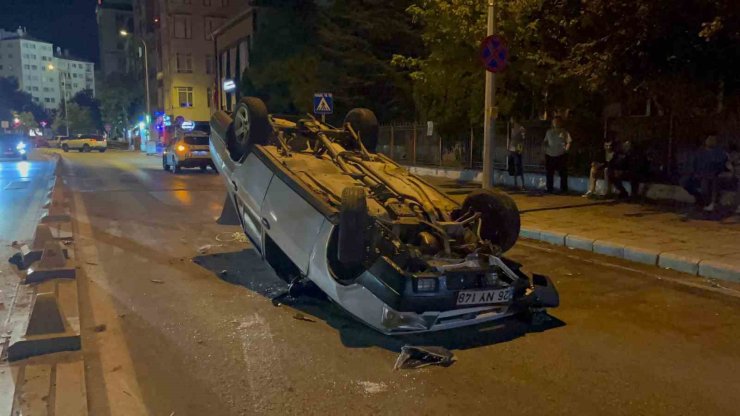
(241, 125)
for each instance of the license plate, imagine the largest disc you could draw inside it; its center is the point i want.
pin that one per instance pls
(480, 297)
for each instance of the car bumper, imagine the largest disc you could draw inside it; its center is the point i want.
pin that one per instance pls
(195, 161)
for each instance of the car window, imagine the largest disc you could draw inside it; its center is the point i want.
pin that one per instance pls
(196, 140)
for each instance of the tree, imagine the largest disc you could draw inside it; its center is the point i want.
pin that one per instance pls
(80, 120)
(120, 96)
(344, 47)
(85, 99)
(12, 100)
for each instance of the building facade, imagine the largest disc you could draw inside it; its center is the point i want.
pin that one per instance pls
(178, 35)
(232, 43)
(112, 17)
(77, 75)
(37, 68)
(27, 60)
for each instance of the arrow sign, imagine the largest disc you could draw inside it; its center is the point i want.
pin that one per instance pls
(494, 53)
(323, 103)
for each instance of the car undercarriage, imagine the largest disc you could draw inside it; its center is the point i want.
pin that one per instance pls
(393, 250)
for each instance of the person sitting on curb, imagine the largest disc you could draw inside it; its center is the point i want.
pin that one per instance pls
(602, 168)
(629, 166)
(703, 177)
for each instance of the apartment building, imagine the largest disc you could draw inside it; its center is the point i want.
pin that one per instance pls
(178, 35)
(113, 16)
(77, 75)
(37, 67)
(27, 59)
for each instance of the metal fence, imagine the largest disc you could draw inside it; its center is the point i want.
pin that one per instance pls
(666, 144)
(412, 145)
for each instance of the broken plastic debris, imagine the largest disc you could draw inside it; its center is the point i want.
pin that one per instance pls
(418, 357)
(302, 317)
(157, 281)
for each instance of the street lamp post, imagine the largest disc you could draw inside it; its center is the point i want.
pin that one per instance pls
(489, 116)
(125, 33)
(62, 90)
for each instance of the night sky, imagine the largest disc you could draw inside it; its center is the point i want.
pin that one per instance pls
(67, 23)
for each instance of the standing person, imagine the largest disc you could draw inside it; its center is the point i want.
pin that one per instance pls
(733, 163)
(702, 180)
(516, 148)
(557, 144)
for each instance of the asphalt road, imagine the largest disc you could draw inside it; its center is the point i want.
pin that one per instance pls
(178, 320)
(23, 187)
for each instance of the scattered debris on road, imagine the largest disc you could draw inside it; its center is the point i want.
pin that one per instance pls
(91, 263)
(157, 281)
(418, 357)
(208, 247)
(235, 237)
(223, 273)
(302, 317)
(100, 328)
(371, 387)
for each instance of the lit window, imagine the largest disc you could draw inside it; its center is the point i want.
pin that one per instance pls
(185, 96)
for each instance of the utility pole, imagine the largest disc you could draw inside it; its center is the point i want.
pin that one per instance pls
(489, 116)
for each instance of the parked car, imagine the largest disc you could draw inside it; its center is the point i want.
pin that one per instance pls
(188, 150)
(85, 143)
(13, 146)
(57, 141)
(400, 255)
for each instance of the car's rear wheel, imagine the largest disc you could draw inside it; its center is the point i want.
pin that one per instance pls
(176, 166)
(165, 165)
(500, 222)
(365, 124)
(251, 126)
(65, 148)
(102, 150)
(354, 221)
(85, 148)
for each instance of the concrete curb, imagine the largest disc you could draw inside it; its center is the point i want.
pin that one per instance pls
(678, 261)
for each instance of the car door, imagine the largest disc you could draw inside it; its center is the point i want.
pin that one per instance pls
(291, 222)
(249, 182)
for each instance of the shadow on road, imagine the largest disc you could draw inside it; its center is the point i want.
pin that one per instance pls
(246, 268)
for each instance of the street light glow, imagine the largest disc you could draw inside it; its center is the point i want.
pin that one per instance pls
(123, 32)
(51, 67)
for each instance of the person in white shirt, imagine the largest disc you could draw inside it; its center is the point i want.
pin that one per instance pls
(557, 144)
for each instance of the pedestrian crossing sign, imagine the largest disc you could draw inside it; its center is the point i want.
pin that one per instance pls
(323, 103)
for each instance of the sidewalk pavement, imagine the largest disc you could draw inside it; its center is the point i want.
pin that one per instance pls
(645, 234)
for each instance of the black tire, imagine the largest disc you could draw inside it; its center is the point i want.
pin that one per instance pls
(364, 122)
(176, 167)
(165, 165)
(251, 126)
(203, 168)
(500, 222)
(65, 148)
(85, 148)
(354, 220)
(102, 150)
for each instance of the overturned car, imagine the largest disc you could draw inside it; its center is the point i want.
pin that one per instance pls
(392, 250)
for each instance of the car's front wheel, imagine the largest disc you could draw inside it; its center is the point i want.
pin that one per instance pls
(354, 221)
(102, 149)
(65, 148)
(500, 222)
(251, 126)
(85, 148)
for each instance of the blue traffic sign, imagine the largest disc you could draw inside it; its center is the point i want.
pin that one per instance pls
(323, 103)
(494, 53)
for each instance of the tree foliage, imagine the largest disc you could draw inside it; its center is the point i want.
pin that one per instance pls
(344, 47)
(80, 120)
(13, 100)
(121, 98)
